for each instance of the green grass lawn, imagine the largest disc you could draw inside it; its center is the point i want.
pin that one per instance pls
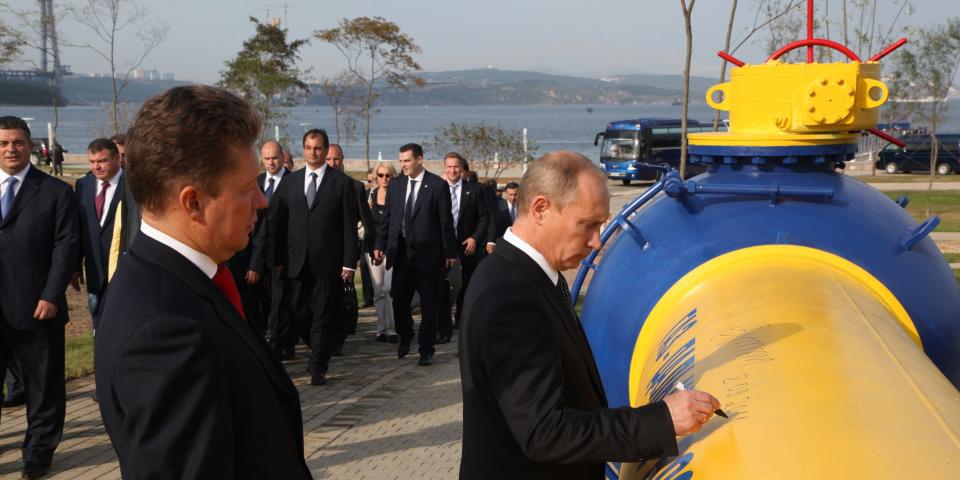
(79, 356)
(944, 203)
(952, 257)
(906, 178)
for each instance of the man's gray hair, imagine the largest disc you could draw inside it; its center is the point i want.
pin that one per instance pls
(555, 176)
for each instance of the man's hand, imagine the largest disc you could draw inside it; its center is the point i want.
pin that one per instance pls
(75, 281)
(346, 275)
(690, 409)
(45, 310)
(377, 257)
(470, 246)
(252, 277)
(450, 262)
(491, 247)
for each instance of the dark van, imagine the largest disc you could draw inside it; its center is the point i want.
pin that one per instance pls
(916, 156)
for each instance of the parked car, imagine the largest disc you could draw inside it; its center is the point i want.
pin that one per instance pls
(41, 154)
(916, 156)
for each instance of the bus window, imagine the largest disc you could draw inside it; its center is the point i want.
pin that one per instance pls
(621, 149)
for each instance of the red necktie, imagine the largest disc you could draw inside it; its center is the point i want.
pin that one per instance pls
(101, 199)
(224, 281)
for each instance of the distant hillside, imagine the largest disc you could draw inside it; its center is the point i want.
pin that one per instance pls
(491, 86)
(19, 92)
(88, 90)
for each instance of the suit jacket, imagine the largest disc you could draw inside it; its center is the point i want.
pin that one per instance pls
(533, 403)
(186, 388)
(473, 220)
(323, 237)
(96, 239)
(493, 213)
(432, 234)
(365, 217)
(254, 256)
(39, 247)
(503, 218)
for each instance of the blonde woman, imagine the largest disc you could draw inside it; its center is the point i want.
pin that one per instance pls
(379, 274)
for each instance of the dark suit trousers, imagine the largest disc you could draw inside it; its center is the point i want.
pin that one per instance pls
(256, 301)
(280, 320)
(407, 279)
(466, 273)
(40, 356)
(314, 302)
(365, 281)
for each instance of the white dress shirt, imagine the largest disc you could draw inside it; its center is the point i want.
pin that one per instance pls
(276, 180)
(406, 193)
(306, 177)
(202, 261)
(20, 176)
(111, 190)
(531, 252)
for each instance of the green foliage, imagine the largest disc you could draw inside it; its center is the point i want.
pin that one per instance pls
(10, 43)
(924, 71)
(380, 58)
(487, 147)
(264, 72)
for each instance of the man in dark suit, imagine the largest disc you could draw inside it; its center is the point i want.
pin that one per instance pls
(347, 312)
(250, 266)
(416, 237)
(98, 195)
(503, 215)
(313, 231)
(469, 211)
(187, 388)
(533, 402)
(39, 247)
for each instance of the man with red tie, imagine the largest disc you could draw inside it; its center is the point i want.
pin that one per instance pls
(187, 387)
(99, 195)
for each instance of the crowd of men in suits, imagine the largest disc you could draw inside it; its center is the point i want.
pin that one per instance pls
(293, 279)
(203, 272)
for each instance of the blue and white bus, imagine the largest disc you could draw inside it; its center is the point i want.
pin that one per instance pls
(628, 144)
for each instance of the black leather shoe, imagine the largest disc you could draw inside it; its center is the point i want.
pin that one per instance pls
(14, 400)
(320, 379)
(33, 470)
(382, 338)
(393, 338)
(443, 339)
(288, 353)
(403, 349)
(425, 359)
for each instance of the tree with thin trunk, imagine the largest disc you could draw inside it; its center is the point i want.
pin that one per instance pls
(924, 73)
(34, 22)
(379, 55)
(687, 15)
(487, 147)
(11, 41)
(342, 94)
(109, 20)
(264, 72)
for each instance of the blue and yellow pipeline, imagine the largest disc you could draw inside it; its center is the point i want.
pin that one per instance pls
(816, 309)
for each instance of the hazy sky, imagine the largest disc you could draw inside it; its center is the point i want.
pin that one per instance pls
(577, 37)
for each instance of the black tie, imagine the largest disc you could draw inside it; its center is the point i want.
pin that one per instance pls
(567, 299)
(408, 213)
(269, 191)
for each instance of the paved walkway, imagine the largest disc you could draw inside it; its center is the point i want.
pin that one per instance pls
(377, 418)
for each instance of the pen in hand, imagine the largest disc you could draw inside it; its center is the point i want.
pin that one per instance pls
(681, 386)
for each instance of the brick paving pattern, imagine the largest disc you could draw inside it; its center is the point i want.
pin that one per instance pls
(377, 418)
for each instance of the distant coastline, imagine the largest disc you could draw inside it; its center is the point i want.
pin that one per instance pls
(457, 88)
